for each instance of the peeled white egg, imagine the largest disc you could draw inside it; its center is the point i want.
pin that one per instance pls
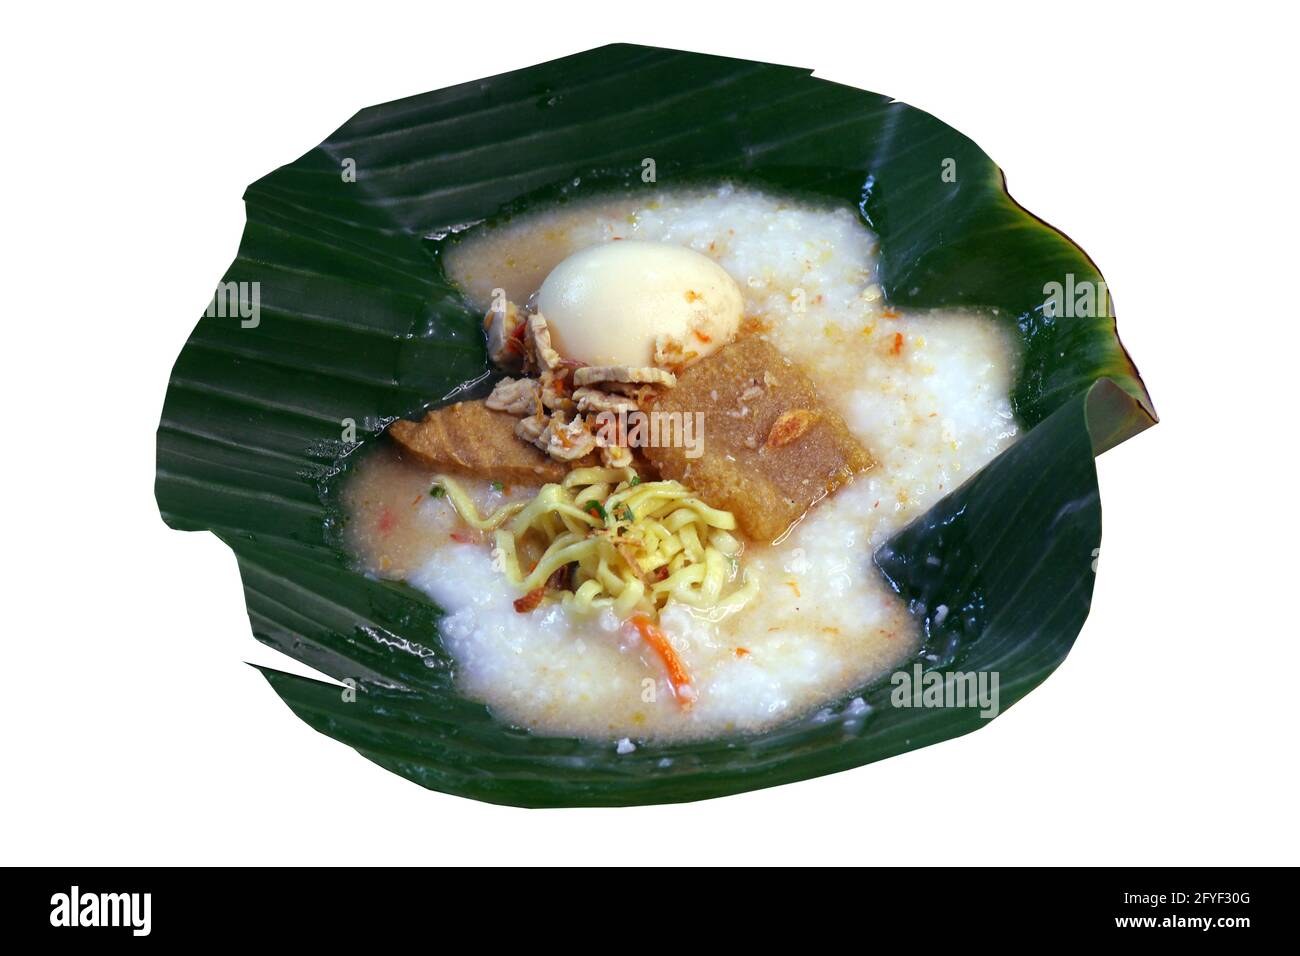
(607, 304)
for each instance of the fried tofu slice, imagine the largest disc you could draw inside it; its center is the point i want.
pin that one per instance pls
(471, 439)
(771, 448)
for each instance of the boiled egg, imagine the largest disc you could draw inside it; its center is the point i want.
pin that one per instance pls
(610, 304)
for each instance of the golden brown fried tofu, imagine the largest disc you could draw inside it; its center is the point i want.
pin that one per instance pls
(770, 447)
(471, 439)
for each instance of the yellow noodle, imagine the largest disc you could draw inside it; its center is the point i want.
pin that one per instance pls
(469, 514)
(618, 532)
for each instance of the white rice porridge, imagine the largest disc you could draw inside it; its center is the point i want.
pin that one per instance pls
(927, 394)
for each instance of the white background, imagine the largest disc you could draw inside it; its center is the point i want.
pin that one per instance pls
(133, 730)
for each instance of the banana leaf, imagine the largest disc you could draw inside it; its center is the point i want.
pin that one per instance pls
(357, 324)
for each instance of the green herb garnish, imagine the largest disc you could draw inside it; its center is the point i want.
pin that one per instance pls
(437, 491)
(498, 486)
(595, 508)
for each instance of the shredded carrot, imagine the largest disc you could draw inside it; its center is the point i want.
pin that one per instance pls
(460, 537)
(515, 343)
(530, 600)
(658, 640)
(889, 314)
(742, 652)
(898, 343)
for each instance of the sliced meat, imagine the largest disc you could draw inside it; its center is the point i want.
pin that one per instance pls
(570, 441)
(623, 374)
(518, 396)
(539, 336)
(770, 447)
(471, 439)
(505, 337)
(554, 391)
(594, 400)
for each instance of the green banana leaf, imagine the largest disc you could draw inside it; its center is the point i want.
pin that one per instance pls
(357, 323)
